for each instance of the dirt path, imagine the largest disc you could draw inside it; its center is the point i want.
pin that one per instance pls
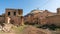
(33, 30)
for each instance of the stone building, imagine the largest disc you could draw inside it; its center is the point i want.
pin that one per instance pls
(13, 16)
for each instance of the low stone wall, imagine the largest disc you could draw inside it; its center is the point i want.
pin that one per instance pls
(54, 20)
(2, 20)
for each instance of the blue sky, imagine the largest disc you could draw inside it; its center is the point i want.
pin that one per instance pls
(28, 5)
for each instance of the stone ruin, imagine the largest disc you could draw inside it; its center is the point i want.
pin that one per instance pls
(11, 17)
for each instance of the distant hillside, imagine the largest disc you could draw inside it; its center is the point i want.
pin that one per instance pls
(36, 15)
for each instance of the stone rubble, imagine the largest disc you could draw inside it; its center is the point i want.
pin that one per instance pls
(7, 27)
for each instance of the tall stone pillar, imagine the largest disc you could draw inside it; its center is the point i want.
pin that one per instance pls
(58, 11)
(7, 20)
(22, 20)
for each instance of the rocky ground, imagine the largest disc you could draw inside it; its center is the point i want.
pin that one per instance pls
(26, 30)
(34, 30)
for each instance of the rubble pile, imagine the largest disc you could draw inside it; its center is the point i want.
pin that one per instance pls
(6, 27)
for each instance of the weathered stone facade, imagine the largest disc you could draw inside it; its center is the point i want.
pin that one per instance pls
(55, 19)
(13, 16)
(2, 19)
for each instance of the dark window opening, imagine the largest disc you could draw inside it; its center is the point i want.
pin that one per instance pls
(8, 13)
(19, 12)
(14, 13)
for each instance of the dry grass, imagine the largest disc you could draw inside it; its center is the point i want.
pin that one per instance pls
(15, 30)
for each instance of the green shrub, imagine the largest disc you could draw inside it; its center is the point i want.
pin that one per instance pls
(52, 27)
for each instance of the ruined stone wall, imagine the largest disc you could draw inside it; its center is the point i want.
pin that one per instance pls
(2, 19)
(53, 20)
(14, 15)
(58, 10)
(16, 20)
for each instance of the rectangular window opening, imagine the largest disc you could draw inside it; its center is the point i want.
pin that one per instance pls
(8, 13)
(14, 13)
